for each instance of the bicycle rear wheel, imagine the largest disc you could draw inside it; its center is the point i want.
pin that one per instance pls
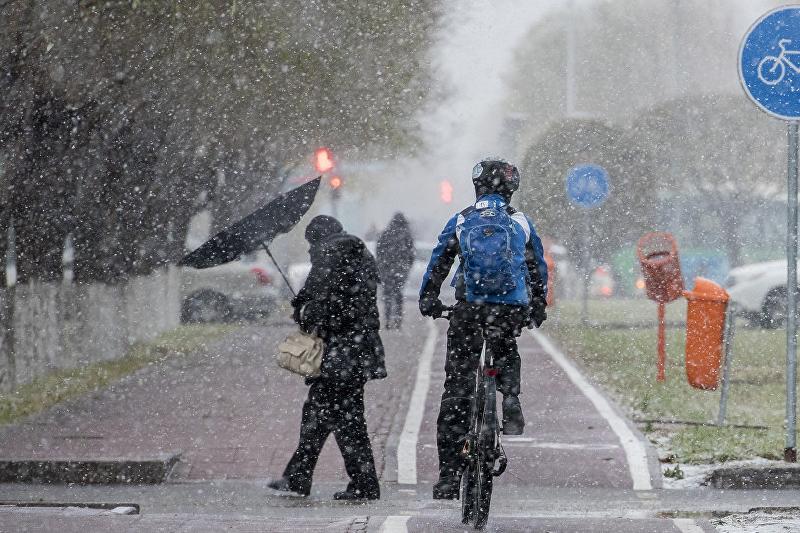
(468, 486)
(485, 457)
(483, 493)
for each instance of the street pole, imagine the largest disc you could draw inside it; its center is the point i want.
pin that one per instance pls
(571, 61)
(727, 363)
(662, 342)
(585, 261)
(790, 451)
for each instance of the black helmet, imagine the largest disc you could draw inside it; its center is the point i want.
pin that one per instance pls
(494, 175)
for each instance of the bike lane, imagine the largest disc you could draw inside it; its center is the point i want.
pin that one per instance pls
(571, 454)
(567, 442)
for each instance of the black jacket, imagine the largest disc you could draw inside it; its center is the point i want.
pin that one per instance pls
(339, 302)
(395, 251)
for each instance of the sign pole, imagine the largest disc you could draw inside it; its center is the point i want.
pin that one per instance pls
(586, 273)
(587, 187)
(790, 451)
(662, 342)
(727, 363)
(767, 77)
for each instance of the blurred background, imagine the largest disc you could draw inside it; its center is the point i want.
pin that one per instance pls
(130, 131)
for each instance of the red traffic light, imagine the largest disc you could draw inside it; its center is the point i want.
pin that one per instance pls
(446, 191)
(323, 160)
(335, 182)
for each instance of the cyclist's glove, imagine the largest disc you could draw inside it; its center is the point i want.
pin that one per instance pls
(432, 307)
(537, 313)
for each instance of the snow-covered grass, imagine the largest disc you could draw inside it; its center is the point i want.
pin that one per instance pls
(623, 360)
(62, 385)
(760, 521)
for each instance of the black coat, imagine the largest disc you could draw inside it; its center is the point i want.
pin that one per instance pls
(339, 302)
(395, 251)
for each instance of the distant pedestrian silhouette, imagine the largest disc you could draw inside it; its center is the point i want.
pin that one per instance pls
(395, 255)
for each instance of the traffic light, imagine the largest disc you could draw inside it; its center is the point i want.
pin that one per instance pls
(446, 191)
(336, 183)
(323, 160)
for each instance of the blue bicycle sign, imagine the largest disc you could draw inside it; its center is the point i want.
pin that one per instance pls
(772, 69)
(769, 66)
(587, 185)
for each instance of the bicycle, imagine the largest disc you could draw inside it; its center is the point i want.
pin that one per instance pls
(772, 69)
(482, 448)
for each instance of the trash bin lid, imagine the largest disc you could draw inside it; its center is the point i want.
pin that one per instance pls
(707, 290)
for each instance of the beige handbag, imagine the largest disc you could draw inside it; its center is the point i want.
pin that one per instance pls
(301, 353)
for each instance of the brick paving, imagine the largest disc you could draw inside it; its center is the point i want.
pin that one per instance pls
(229, 411)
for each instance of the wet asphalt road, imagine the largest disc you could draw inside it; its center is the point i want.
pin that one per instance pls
(233, 417)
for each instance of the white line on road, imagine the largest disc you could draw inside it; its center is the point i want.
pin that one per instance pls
(687, 525)
(530, 442)
(407, 446)
(634, 449)
(395, 524)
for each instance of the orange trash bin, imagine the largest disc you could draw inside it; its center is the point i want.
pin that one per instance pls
(705, 328)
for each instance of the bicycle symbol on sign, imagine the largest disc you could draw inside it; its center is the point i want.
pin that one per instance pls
(772, 69)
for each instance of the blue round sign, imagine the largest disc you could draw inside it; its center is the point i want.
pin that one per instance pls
(587, 185)
(769, 63)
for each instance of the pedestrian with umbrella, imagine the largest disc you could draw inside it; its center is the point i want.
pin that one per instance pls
(338, 302)
(395, 254)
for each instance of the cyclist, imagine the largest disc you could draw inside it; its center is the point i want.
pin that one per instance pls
(501, 282)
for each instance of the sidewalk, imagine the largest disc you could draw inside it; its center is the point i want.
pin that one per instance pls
(228, 413)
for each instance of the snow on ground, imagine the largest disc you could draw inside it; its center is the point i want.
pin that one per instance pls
(695, 476)
(760, 522)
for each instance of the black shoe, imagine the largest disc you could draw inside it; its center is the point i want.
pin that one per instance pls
(356, 495)
(282, 485)
(447, 488)
(513, 421)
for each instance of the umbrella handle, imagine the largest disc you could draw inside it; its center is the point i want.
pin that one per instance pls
(266, 249)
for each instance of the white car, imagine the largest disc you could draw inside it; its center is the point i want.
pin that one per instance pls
(245, 288)
(758, 292)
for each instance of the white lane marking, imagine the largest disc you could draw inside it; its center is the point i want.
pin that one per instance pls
(530, 442)
(634, 448)
(394, 524)
(407, 446)
(687, 525)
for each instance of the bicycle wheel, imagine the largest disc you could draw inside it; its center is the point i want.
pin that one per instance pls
(483, 492)
(771, 70)
(486, 454)
(469, 479)
(467, 495)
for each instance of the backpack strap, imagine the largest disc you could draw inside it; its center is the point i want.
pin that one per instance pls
(520, 218)
(460, 219)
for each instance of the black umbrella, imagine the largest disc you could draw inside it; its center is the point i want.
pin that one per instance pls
(258, 228)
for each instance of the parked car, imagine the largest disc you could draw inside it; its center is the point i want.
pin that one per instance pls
(245, 288)
(758, 292)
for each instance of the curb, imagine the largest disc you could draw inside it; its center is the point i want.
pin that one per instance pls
(88, 471)
(776, 477)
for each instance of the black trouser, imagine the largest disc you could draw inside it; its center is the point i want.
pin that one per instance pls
(393, 303)
(337, 407)
(464, 346)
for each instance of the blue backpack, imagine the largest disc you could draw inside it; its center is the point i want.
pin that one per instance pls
(492, 253)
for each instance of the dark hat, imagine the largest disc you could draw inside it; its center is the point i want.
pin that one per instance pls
(322, 226)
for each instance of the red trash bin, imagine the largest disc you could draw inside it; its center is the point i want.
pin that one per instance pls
(705, 329)
(661, 267)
